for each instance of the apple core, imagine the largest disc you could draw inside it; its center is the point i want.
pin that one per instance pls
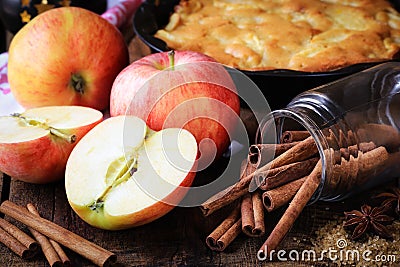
(71, 138)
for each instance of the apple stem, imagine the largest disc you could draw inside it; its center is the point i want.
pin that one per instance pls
(171, 57)
(71, 138)
(77, 83)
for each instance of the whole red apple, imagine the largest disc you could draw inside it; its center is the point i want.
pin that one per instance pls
(181, 89)
(66, 56)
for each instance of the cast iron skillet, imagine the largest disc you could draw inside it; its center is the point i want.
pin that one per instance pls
(278, 86)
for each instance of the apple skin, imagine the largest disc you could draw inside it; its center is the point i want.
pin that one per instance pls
(92, 157)
(198, 94)
(60, 42)
(107, 221)
(41, 160)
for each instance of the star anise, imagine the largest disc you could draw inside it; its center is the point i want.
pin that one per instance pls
(392, 198)
(368, 219)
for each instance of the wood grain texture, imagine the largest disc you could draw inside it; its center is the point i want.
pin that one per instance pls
(175, 239)
(137, 49)
(1, 184)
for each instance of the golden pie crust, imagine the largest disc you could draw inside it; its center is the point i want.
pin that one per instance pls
(304, 35)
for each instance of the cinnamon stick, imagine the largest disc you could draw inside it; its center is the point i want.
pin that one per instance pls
(292, 136)
(76, 243)
(48, 250)
(252, 211)
(293, 211)
(226, 232)
(356, 170)
(355, 149)
(235, 191)
(254, 156)
(381, 135)
(14, 245)
(366, 146)
(279, 196)
(286, 173)
(53, 252)
(334, 179)
(250, 164)
(352, 150)
(352, 169)
(268, 151)
(372, 162)
(19, 235)
(61, 253)
(301, 151)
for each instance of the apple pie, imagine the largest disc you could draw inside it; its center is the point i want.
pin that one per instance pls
(304, 35)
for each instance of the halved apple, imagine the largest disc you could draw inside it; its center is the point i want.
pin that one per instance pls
(35, 145)
(123, 174)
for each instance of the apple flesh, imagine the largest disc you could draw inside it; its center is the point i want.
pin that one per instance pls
(187, 90)
(123, 174)
(35, 145)
(66, 56)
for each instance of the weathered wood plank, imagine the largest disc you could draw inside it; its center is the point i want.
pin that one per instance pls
(175, 239)
(22, 193)
(1, 184)
(137, 49)
(4, 252)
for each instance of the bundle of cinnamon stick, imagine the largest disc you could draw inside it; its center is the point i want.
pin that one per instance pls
(292, 178)
(275, 184)
(48, 237)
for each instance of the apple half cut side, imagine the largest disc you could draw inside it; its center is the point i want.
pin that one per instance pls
(35, 145)
(122, 174)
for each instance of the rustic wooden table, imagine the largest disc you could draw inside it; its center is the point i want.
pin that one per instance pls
(174, 240)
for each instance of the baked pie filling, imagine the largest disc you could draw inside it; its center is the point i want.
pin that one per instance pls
(304, 35)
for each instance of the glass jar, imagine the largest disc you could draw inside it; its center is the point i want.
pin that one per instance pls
(355, 123)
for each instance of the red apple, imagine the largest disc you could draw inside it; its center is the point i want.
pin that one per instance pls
(123, 174)
(66, 56)
(183, 89)
(35, 145)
